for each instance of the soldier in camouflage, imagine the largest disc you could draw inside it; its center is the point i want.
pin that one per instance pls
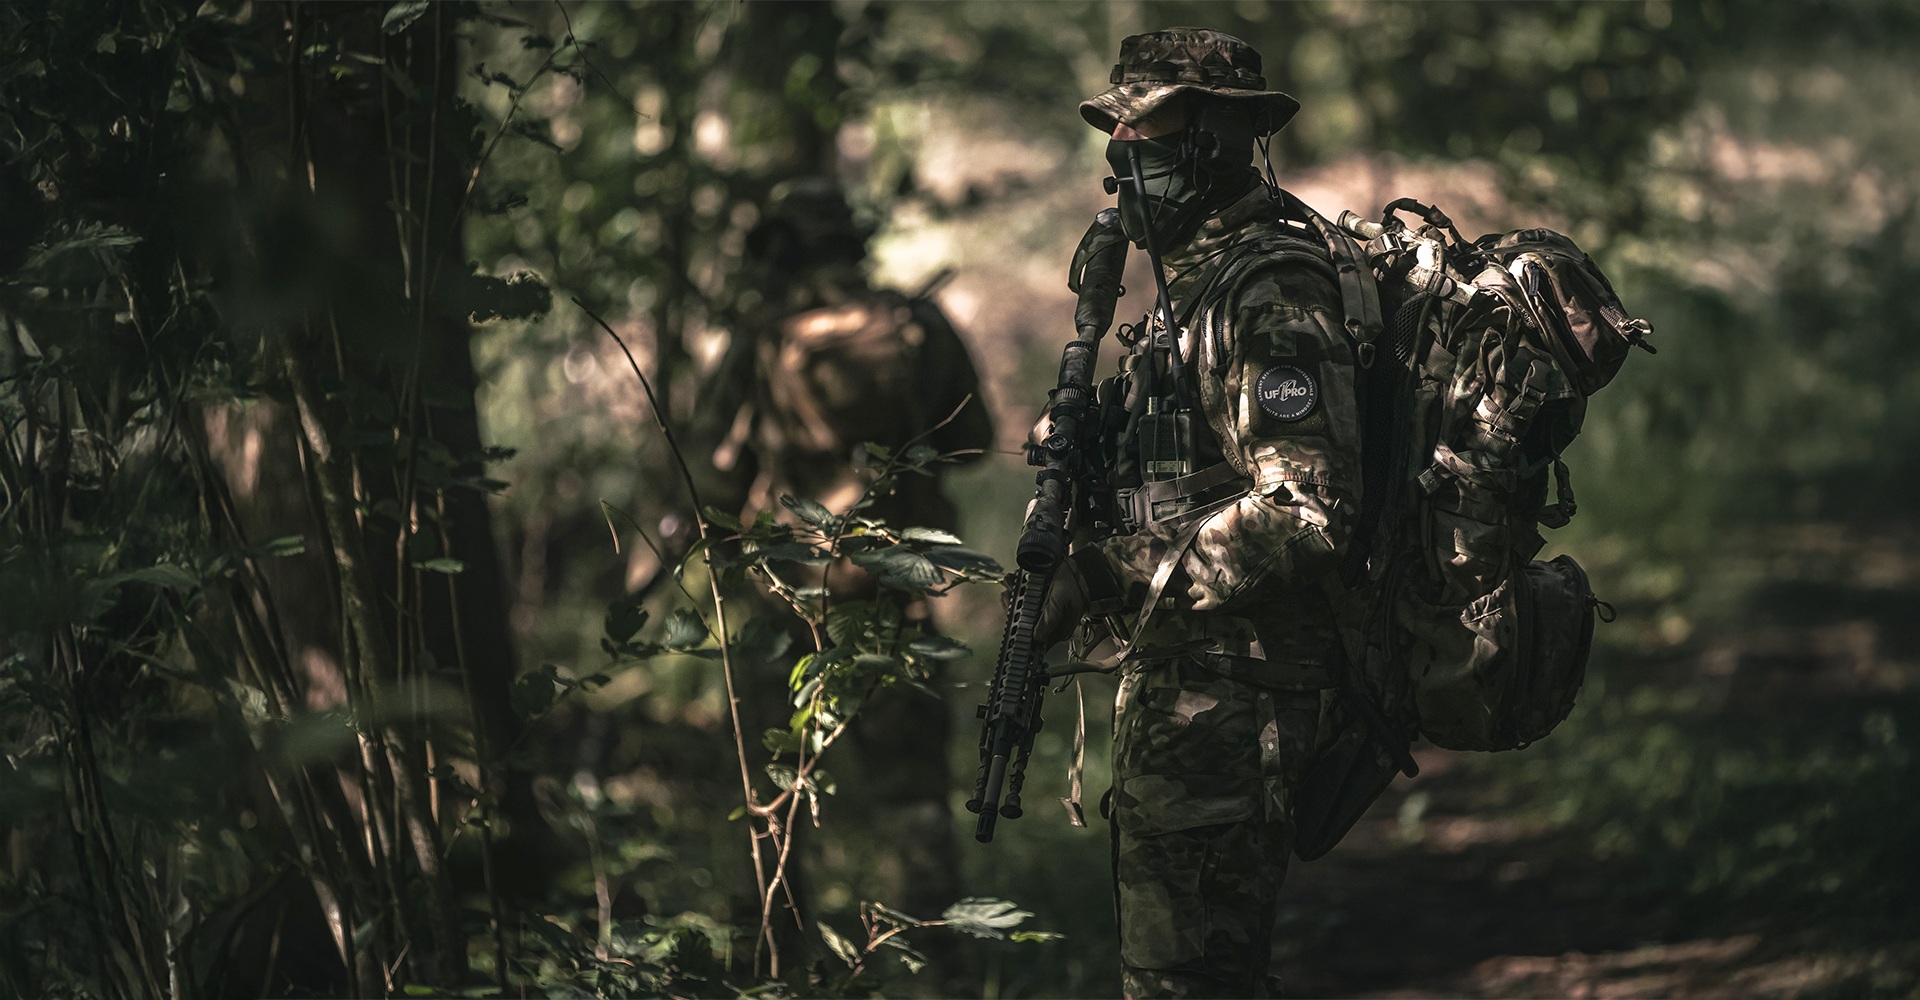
(821, 362)
(1222, 684)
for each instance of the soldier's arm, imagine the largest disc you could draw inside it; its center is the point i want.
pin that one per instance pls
(947, 372)
(1295, 426)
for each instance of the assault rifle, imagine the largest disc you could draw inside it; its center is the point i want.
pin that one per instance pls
(1070, 481)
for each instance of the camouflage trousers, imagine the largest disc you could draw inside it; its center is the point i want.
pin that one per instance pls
(1206, 758)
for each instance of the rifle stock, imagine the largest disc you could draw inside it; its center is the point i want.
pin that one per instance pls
(1070, 471)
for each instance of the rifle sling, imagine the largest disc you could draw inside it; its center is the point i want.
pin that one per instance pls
(1171, 502)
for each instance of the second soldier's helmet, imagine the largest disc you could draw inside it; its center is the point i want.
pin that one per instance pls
(807, 223)
(1160, 65)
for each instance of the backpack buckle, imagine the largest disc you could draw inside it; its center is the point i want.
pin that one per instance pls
(1364, 353)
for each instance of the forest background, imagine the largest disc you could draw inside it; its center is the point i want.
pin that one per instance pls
(337, 655)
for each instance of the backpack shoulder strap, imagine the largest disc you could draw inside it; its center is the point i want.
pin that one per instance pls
(1359, 297)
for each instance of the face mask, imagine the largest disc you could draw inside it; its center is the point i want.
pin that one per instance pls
(1171, 204)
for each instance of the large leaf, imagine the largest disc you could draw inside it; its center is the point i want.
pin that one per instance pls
(846, 622)
(983, 917)
(847, 950)
(931, 535)
(780, 741)
(625, 617)
(685, 630)
(402, 14)
(533, 693)
(909, 955)
(963, 560)
(809, 511)
(93, 236)
(889, 914)
(720, 518)
(900, 567)
(166, 576)
(761, 640)
(285, 545)
(938, 647)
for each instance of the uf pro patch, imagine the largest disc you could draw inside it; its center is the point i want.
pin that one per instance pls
(1286, 393)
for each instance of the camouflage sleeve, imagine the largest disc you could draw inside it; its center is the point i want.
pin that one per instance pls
(1285, 400)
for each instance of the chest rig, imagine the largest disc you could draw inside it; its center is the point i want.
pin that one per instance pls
(1165, 426)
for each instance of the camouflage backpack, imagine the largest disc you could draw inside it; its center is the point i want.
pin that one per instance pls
(837, 374)
(1479, 359)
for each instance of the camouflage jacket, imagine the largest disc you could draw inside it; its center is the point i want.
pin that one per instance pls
(1261, 317)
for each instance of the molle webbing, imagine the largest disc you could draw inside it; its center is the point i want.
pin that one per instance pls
(1172, 502)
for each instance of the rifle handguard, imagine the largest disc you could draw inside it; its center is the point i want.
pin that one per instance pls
(1011, 716)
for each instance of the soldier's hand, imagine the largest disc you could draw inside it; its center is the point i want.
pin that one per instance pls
(1065, 603)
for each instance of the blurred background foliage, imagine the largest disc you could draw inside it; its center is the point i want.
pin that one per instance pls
(1742, 762)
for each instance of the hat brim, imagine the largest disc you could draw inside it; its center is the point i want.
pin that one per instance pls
(1129, 102)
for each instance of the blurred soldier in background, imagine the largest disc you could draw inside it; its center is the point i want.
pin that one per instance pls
(1246, 446)
(820, 364)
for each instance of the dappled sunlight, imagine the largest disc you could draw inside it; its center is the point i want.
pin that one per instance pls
(363, 632)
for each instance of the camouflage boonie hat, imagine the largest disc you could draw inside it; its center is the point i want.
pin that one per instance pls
(1160, 64)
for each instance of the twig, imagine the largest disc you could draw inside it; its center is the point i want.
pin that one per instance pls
(720, 619)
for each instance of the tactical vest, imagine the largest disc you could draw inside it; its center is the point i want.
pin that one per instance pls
(1174, 461)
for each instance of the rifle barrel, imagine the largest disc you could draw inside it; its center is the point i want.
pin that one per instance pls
(1011, 716)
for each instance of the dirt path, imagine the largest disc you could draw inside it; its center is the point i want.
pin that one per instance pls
(1493, 908)
(1442, 891)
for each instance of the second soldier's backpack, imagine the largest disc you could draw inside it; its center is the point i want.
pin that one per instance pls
(1479, 360)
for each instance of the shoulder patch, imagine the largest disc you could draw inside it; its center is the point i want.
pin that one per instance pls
(1287, 393)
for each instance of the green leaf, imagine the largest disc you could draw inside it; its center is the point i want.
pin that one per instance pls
(932, 535)
(625, 617)
(694, 552)
(415, 989)
(398, 17)
(784, 776)
(738, 811)
(780, 741)
(809, 511)
(92, 236)
(899, 567)
(921, 454)
(874, 662)
(963, 560)
(847, 950)
(909, 955)
(722, 519)
(938, 647)
(762, 640)
(285, 545)
(1036, 936)
(984, 917)
(166, 576)
(532, 694)
(442, 565)
(879, 451)
(890, 915)
(802, 670)
(685, 630)
(804, 693)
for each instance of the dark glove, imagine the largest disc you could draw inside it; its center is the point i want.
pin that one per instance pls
(1065, 602)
